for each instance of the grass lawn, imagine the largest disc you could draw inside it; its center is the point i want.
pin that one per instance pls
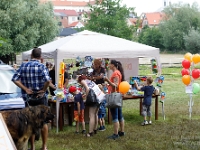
(176, 132)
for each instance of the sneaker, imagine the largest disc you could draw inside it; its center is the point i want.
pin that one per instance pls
(83, 132)
(144, 123)
(121, 133)
(150, 122)
(102, 128)
(114, 137)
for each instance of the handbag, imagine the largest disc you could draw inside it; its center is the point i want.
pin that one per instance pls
(91, 99)
(114, 100)
(100, 95)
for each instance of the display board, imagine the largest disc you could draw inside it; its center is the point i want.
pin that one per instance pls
(6, 141)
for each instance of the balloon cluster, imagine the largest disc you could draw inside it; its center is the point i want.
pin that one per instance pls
(154, 66)
(188, 72)
(159, 81)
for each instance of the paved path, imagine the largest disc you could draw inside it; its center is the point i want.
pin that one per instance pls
(165, 59)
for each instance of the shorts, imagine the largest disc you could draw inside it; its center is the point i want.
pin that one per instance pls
(100, 116)
(146, 110)
(117, 114)
(79, 118)
(44, 101)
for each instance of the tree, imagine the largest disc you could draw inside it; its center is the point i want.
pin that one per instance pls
(179, 20)
(26, 24)
(151, 36)
(192, 43)
(108, 17)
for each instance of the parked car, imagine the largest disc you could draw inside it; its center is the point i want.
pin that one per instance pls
(10, 94)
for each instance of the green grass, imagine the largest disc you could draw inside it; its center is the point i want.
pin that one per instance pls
(176, 132)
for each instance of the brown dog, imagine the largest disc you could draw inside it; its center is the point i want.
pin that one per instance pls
(25, 122)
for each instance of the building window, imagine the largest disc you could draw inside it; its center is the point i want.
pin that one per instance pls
(73, 18)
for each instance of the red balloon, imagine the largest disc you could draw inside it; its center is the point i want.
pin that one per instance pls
(186, 64)
(195, 73)
(185, 72)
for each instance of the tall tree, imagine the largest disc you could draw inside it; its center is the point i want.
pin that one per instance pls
(109, 17)
(25, 24)
(192, 43)
(152, 37)
(179, 20)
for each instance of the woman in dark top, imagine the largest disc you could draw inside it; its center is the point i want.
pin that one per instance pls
(98, 72)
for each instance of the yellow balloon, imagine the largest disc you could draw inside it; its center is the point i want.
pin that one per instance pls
(124, 87)
(186, 79)
(188, 56)
(196, 58)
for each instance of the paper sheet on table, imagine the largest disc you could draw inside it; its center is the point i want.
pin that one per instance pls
(188, 89)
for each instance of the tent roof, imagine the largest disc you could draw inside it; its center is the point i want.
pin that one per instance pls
(97, 45)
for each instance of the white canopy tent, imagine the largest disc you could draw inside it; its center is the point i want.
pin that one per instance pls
(97, 45)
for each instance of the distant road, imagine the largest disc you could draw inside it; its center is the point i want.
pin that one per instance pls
(165, 59)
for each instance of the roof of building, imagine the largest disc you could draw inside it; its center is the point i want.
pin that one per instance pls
(69, 3)
(154, 18)
(75, 23)
(60, 14)
(67, 31)
(133, 20)
(67, 12)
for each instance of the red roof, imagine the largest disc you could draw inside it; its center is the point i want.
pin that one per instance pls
(67, 12)
(74, 24)
(133, 20)
(154, 18)
(68, 3)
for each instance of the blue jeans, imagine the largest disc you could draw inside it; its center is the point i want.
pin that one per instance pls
(117, 114)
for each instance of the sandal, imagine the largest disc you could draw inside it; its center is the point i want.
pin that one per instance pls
(89, 134)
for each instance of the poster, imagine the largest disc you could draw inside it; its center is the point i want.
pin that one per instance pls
(6, 141)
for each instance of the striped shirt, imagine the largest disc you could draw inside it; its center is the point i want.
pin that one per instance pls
(33, 75)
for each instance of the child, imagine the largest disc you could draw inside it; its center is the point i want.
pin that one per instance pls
(102, 112)
(146, 105)
(78, 108)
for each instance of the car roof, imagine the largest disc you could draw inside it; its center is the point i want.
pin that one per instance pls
(6, 67)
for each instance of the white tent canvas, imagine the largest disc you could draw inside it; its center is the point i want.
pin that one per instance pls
(97, 45)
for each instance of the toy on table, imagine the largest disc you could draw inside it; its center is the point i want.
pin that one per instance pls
(162, 95)
(140, 81)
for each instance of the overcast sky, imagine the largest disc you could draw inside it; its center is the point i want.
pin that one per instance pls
(152, 5)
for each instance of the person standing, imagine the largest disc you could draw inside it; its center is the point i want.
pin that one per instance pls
(98, 72)
(33, 77)
(78, 108)
(93, 110)
(146, 105)
(114, 81)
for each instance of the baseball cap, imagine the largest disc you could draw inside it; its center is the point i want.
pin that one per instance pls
(72, 89)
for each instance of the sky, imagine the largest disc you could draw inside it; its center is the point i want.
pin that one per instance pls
(152, 5)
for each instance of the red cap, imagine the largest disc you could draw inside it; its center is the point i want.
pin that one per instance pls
(72, 89)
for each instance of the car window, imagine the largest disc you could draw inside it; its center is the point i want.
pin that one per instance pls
(7, 86)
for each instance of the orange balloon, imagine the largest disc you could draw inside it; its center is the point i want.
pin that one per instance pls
(196, 58)
(186, 79)
(188, 56)
(124, 87)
